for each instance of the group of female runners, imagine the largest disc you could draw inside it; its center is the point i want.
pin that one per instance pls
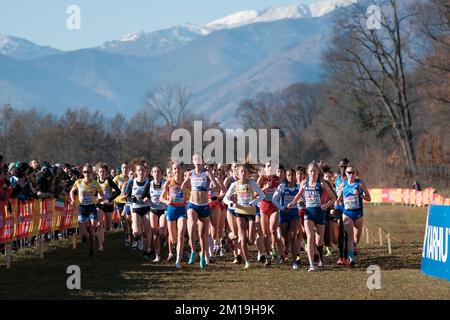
(226, 208)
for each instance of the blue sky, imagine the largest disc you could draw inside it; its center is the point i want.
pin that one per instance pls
(44, 21)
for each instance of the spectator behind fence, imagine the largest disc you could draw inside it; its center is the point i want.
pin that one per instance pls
(44, 181)
(416, 186)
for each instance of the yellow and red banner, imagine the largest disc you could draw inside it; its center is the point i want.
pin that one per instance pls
(407, 196)
(30, 218)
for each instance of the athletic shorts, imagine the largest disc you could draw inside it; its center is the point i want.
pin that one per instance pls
(174, 213)
(268, 208)
(202, 210)
(315, 214)
(288, 217)
(87, 213)
(214, 204)
(127, 209)
(248, 217)
(106, 208)
(141, 211)
(330, 217)
(158, 212)
(354, 214)
(120, 206)
(339, 207)
(231, 211)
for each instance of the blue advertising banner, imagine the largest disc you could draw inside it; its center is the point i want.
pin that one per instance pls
(435, 259)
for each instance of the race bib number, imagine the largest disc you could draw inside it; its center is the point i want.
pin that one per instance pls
(351, 202)
(268, 196)
(87, 198)
(312, 200)
(244, 199)
(177, 197)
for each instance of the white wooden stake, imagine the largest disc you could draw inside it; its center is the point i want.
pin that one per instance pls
(388, 237)
(74, 241)
(367, 235)
(380, 234)
(8, 255)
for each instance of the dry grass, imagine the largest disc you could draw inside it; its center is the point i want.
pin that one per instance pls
(120, 273)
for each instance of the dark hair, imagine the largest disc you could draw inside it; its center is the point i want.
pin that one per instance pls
(345, 160)
(300, 168)
(281, 167)
(325, 167)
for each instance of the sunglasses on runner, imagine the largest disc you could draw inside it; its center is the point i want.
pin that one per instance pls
(350, 172)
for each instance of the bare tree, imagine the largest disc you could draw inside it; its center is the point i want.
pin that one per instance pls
(375, 60)
(169, 103)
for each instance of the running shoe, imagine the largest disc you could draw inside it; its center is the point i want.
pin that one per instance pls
(127, 242)
(211, 260)
(298, 260)
(259, 256)
(222, 251)
(141, 245)
(329, 253)
(262, 259)
(170, 257)
(235, 261)
(202, 262)
(157, 258)
(320, 264)
(346, 262)
(145, 255)
(340, 261)
(294, 266)
(274, 254)
(134, 245)
(268, 262)
(247, 265)
(312, 269)
(178, 265)
(192, 258)
(101, 249)
(281, 260)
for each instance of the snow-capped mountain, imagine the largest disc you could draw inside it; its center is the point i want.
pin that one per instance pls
(296, 11)
(21, 49)
(221, 63)
(152, 44)
(162, 41)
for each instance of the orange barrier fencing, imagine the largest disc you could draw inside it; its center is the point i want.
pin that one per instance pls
(407, 196)
(25, 219)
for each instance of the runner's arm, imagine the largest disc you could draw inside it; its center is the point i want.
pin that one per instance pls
(277, 196)
(254, 186)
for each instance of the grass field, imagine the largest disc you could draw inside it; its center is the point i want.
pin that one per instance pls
(120, 273)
